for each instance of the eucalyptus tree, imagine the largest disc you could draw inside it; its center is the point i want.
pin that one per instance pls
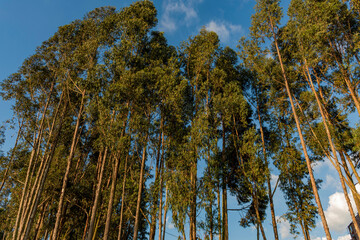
(265, 24)
(309, 58)
(261, 70)
(37, 90)
(199, 54)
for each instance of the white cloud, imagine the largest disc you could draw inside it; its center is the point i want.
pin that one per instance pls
(323, 165)
(274, 178)
(284, 227)
(337, 213)
(184, 11)
(319, 238)
(346, 237)
(223, 29)
(331, 182)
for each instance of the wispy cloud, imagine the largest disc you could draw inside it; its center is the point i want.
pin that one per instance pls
(224, 29)
(345, 237)
(284, 227)
(176, 13)
(337, 214)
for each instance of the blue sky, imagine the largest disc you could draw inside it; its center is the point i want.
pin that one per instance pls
(25, 24)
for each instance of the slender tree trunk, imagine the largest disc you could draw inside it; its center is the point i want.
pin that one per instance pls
(165, 214)
(307, 232)
(224, 188)
(302, 228)
(112, 191)
(67, 171)
(141, 183)
(157, 177)
(162, 166)
(219, 212)
(193, 180)
(350, 181)
(97, 197)
(308, 162)
(40, 221)
(111, 198)
(255, 198)
(352, 167)
(270, 194)
(86, 226)
(123, 197)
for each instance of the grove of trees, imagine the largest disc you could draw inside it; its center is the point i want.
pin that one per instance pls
(116, 128)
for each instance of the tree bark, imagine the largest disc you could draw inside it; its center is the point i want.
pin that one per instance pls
(270, 194)
(113, 188)
(165, 214)
(123, 197)
(141, 183)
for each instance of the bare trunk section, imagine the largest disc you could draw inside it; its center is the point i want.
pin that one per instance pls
(157, 177)
(225, 233)
(193, 180)
(123, 198)
(270, 194)
(141, 183)
(112, 191)
(258, 218)
(219, 211)
(165, 214)
(111, 198)
(350, 181)
(162, 166)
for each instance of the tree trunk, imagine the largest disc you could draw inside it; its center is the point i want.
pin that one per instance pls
(219, 212)
(350, 181)
(111, 197)
(162, 166)
(224, 188)
(254, 195)
(97, 197)
(141, 183)
(193, 180)
(165, 214)
(155, 200)
(113, 188)
(270, 194)
(123, 197)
